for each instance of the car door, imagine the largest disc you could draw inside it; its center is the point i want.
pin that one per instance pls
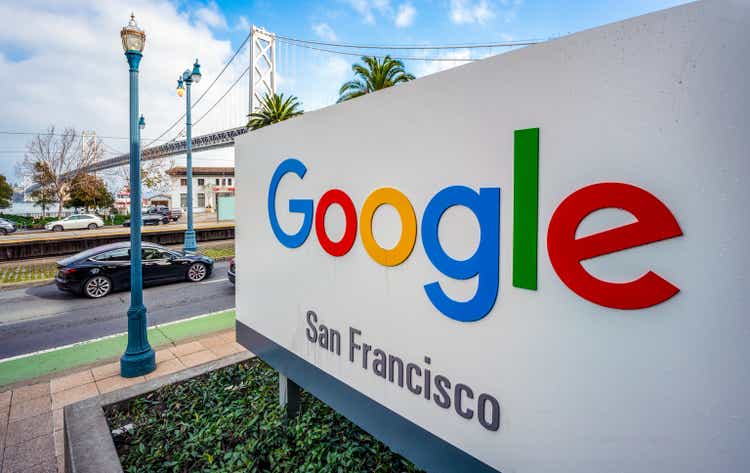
(159, 265)
(83, 221)
(70, 223)
(79, 221)
(115, 264)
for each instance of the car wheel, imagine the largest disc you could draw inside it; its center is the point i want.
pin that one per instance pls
(57, 228)
(96, 287)
(197, 272)
(93, 226)
(165, 221)
(3, 231)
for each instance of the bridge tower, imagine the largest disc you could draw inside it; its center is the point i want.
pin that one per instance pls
(263, 66)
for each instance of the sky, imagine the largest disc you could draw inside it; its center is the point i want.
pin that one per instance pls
(63, 64)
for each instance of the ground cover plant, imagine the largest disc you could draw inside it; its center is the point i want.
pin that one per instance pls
(229, 421)
(26, 272)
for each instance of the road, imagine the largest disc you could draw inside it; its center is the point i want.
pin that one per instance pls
(42, 317)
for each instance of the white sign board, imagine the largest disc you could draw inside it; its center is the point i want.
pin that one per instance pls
(540, 259)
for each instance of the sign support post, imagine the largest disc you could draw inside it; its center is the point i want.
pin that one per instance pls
(289, 396)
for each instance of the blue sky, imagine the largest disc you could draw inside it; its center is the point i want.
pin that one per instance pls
(68, 69)
(432, 20)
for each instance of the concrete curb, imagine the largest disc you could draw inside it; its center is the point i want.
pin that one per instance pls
(88, 443)
(26, 285)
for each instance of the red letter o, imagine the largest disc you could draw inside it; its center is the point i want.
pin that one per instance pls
(342, 247)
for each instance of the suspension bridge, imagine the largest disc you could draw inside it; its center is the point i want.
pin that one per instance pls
(269, 62)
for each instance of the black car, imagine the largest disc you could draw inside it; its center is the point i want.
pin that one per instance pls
(97, 272)
(166, 212)
(231, 272)
(149, 219)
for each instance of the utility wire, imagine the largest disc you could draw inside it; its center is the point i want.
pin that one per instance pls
(2, 132)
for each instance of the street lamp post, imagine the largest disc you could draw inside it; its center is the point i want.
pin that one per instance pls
(139, 358)
(183, 86)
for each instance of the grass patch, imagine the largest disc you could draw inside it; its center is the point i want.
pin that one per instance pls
(218, 252)
(21, 273)
(229, 421)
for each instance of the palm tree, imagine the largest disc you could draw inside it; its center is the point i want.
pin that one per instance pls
(273, 109)
(374, 74)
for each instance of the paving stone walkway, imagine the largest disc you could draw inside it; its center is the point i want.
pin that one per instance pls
(31, 417)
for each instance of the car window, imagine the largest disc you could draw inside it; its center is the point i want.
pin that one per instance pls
(153, 254)
(121, 254)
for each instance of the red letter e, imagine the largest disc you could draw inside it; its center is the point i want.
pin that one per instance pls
(654, 223)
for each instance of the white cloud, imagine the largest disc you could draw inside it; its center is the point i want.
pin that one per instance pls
(70, 70)
(211, 16)
(466, 11)
(461, 56)
(325, 31)
(316, 78)
(368, 8)
(405, 15)
(242, 24)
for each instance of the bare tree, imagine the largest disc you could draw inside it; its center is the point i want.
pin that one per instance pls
(153, 173)
(64, 155)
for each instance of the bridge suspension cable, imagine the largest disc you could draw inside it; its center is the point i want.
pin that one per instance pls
(247, 69)
(358, 54)
(196, 102)
(500, 44)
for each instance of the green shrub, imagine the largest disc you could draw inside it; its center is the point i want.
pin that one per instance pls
(116, 219)
(230, 421)
(28, 222)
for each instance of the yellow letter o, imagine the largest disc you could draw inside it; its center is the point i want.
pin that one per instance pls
(405, 245)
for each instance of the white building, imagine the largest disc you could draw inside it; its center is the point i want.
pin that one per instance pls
(207, 183)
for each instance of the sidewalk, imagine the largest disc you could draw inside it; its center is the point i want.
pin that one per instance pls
(31, 416)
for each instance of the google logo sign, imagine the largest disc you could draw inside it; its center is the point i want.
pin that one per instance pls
(654, 222)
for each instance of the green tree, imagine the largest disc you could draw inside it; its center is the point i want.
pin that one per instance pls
(273, 109)
(374, 74)
(88, 191)
(6, 193)
(44, 178)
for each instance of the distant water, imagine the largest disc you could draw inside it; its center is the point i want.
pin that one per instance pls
(23, 208)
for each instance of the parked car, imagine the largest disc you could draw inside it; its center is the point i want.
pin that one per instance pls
(76, 222)
(163, 210)
(149, 219)
(97, 272)
(231, 271)
(7, 226)
(175, 214)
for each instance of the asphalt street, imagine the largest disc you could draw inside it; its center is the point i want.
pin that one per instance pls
(42, 317)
